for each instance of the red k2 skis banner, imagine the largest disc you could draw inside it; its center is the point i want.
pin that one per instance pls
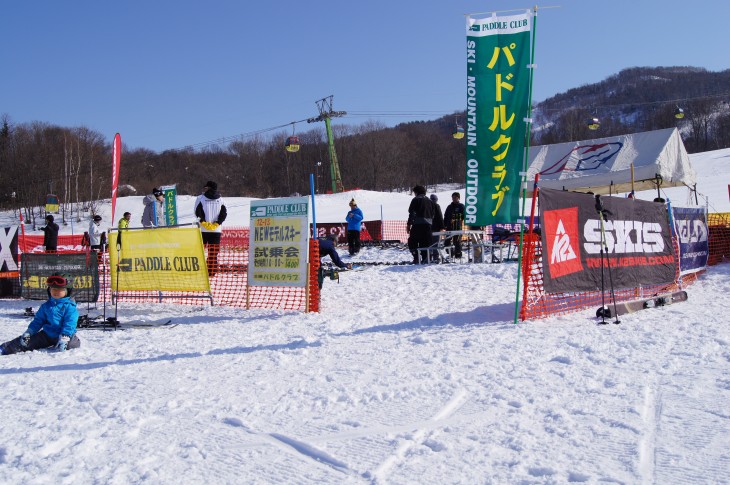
(637, 245)
(497, 99)
(691, 227)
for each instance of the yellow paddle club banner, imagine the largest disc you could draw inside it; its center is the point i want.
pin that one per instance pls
(161, 259)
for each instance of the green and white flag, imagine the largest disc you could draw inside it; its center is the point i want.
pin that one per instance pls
(170, 192)
(498, 91)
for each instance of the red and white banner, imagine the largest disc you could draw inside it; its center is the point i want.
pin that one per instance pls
(116, 162)
(33, 243)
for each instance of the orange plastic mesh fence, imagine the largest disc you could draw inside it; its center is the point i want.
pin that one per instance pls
(394, 231)
(719, 237)
(536, 303)
(229, 284)
(314, 263)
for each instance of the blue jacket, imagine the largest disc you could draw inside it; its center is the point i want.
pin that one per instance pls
(354, 218)
(55, 318)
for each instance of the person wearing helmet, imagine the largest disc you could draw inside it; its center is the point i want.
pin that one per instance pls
(54, 324)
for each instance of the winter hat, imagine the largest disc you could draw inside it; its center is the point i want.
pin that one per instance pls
(352, 202)
(97, 218)
(211, 185)
(49, 218)
(157, 192)
(434, 198)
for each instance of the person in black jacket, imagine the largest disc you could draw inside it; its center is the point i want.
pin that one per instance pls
(454, 220)
(420, 218)
(211, 212)
(50, 238)
(438, 223)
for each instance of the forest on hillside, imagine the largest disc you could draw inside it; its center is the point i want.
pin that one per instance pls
(38, 158)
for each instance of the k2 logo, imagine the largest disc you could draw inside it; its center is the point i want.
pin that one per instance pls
(561, 236)
(562, 250)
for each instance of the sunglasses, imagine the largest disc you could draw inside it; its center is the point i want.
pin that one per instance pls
(59, 281)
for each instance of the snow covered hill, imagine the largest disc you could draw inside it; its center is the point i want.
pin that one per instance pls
(408, 375)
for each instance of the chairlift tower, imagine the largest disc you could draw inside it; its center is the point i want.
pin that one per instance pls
(325, 114)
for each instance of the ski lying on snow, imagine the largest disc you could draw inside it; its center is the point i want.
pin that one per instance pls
(113, 324)
(354, 268)
(636, 305)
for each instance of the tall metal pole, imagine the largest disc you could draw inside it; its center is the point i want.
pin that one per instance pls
(325, 114)
(525, 156)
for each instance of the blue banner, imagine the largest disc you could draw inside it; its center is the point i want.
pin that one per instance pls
(690, 225)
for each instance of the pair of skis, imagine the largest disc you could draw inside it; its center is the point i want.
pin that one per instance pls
(111, 323)
(655, 301)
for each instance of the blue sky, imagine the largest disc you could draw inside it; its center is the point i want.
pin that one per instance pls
(167, 74)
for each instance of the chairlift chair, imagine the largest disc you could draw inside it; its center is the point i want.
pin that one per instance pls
(292, 144)
(458, 132)
(52, 203)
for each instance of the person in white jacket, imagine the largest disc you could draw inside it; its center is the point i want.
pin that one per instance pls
(211, 212)
(96, 234)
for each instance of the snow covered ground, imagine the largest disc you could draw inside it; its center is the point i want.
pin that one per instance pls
(408, 375)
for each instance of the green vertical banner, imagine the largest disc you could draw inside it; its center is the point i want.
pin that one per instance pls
(498, 91)
(170, 192)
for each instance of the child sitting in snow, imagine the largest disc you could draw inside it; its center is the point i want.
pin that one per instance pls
(54, 324)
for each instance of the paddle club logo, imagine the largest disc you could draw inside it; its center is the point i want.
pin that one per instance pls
(561, 229)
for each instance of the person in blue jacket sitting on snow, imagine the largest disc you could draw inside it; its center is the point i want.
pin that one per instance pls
(54, 324)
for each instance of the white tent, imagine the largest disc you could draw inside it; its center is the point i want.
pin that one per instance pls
(603, 165)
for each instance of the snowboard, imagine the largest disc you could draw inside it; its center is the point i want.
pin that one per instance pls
(636, 305)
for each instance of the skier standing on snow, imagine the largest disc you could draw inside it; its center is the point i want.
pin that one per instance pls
(124, 221)
(54, 324)
(50, 236)
(438, 222)
(122, 226)
(354, 221)
(154, 209)
(96, 234)
(420, 218)
(453, 220)
(211, 212)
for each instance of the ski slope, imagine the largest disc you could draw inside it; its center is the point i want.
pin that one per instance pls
(410, 374)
